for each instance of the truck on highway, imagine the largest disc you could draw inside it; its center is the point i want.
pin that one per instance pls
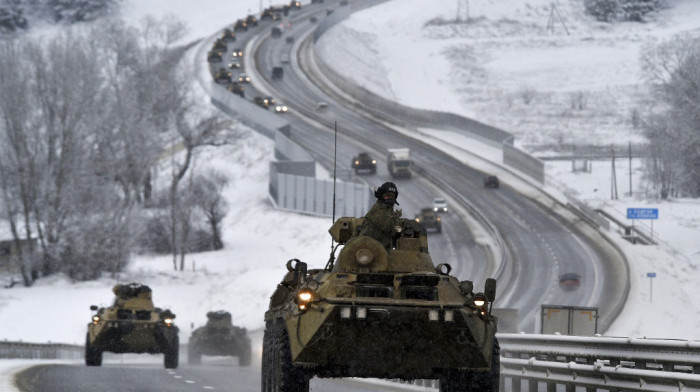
(399, 162)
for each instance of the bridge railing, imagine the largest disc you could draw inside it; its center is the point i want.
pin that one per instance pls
(21, 350)
(608, 363)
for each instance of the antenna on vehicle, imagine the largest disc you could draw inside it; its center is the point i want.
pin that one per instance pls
(331, 259)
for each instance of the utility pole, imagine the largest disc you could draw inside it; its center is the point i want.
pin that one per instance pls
(552, 20)
(630, 171)
(613, 180)
(462, 9)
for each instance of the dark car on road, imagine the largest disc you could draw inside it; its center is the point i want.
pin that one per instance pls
(491, 182)
(277, 73)
(569, 281)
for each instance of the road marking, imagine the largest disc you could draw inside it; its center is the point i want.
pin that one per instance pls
(206, 387)
(189, 381)
(178, 376)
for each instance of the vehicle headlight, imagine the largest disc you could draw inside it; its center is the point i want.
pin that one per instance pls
(304, 298)
(168, 322)
(95, 319)
(435, 209)
(480, 300)
(374, 162)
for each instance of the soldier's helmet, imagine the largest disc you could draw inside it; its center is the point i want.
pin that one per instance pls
(388, 193)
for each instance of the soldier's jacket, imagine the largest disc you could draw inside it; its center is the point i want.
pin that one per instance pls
(379, 223)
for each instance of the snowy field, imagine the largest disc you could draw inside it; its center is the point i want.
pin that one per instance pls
(506, 56)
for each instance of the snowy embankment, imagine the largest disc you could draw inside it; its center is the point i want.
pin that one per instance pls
(485, 68)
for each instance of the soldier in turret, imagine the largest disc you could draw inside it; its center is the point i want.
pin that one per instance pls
(380, 220)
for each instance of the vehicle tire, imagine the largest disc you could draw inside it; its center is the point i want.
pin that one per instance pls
(93, 356)
(456, 381)
(172, 354)
(279, 374)
(266, 373)
(488, 381)
(194, 357)
(244, 357)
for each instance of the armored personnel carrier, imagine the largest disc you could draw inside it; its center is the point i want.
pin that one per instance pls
(364, 162)
(214, 56)
(236, 88)
(132, 325)
(429, 219)
(382, 314)
(223, 76)
(228, 35)
(219, 337)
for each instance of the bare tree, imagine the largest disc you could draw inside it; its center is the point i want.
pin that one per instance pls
(673, 70)
(18, 173)
(193, 135)
(208, 197)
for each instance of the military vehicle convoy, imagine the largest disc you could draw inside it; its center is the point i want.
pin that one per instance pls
(132, 325)
(382, 314)
(219, 337)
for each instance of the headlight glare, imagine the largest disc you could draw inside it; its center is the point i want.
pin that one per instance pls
(305, 296)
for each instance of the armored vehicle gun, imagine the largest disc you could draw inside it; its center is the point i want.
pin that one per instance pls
(219, 337)
(132, 325)
(382, 314)
(429, 219)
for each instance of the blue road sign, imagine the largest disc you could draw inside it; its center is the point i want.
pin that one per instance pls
(651, 274)
(642, 213)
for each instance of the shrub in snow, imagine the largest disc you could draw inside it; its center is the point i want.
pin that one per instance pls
(11, 17)
(609, 10)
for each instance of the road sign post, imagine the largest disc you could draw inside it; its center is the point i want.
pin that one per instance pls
(644, 213)
(651, 276)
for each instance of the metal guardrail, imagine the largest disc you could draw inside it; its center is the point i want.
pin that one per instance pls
(596, 362)
(21, 350)
(608, 363)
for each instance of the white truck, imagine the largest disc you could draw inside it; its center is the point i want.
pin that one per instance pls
(399, 162)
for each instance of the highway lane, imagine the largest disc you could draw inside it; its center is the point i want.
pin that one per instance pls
(145, 373)
(148, 375)
(540, 245)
